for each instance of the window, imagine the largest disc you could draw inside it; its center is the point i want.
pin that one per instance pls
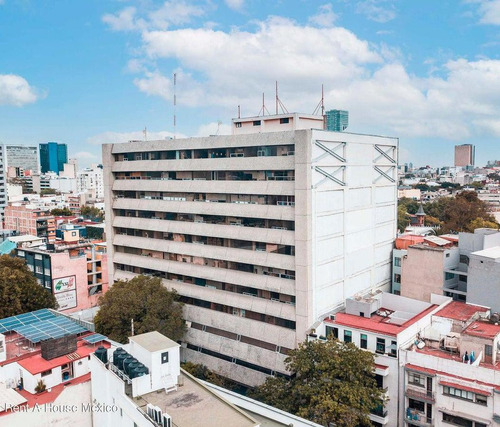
(45, 373)
(238, 124)
(397, 278)
(464, 259)
(284, 120)
(380, 345)
(417, 405)
(20, 253)
(164, 357)
(458, 421)
(448, 255)
(481, 400)
(39, 269)
(488, 350)
(334, 331)
(397, 262)
(456, 392)
(347, 336)
(394, 349)
(416, 379)
(363, 342)
(256, 123)
(449, 276)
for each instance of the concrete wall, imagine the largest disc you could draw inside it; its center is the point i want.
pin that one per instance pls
(483, 282)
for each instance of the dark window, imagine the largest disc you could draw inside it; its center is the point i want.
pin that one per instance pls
(363, 342)
(397, 262)
(45, 373)
(380, 380)
(449, 276)
(164, 357)
(256, 123)
(347, 336)
(464, 259)
(380, 345)
(334, 331)
(488, 350)
(416, 404)
(394, 349)
(397, 278)
(238, 124)
(284, 120)
(458, 421)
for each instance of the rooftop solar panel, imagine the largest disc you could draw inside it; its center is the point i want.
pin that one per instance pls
(10, 323)
(95, 338)
(51, 328)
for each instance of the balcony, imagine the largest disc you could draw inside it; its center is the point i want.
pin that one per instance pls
(416, 418)
(425, 395)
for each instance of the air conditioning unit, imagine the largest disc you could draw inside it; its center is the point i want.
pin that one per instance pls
(166, 420)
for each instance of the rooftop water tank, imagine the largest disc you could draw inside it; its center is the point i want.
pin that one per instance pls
(102, 354)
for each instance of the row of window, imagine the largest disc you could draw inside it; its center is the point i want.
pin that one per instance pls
(460, 421)
(363, 341)
(466, 395)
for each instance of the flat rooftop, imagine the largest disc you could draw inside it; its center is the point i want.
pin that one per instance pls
(462, 311)
(482, 329)
(194, 404)
(491, 253)
(154, 341)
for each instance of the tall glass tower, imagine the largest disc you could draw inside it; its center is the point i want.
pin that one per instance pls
(337, 120)
(53, 156)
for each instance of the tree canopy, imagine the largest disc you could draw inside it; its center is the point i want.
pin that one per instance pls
(333, 382)
(61, 212)
(145, 300)
(19, 290)
(92, 212)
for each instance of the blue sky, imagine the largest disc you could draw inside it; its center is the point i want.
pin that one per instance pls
(86, 72)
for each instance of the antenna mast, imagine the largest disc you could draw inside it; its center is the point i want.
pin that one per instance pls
(279, 103)
(321, 104)
(175, 104)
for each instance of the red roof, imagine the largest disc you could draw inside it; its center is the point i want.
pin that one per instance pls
(377, 323)
(466, 388)
(36, 364)
(482, 329)
(457, 310)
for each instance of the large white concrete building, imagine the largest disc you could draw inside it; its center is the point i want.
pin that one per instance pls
(90, 180)
(261, 233)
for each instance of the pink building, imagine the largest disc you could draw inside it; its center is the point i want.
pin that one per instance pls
(76, 274)
(464, 155)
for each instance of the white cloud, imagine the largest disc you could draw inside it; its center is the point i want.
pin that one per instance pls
(377, 10)
(235, 4)
(172, 12)
(214, 128)
(489, 11)
(325, 16)
(154, 83)
(124, 20)
(15, 90)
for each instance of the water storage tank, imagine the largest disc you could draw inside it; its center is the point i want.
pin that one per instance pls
(127, 362)
(121, 357)
(117, 352)
(139, 371)
(131, 367)
(102, 354)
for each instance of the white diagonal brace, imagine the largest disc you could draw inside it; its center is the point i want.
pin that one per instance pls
(384, 153)
(384, 174)
(330, 151)
(330, 176)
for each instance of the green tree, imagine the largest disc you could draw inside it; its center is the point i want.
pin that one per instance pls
(145, 300)
(494, 176)
(19, 290)
(92, 212)
(481, 223)
(61, 212)
(410, 205)
(47, 191)
(333, 382)
(203, 373)
(403, 218)
(461, 212)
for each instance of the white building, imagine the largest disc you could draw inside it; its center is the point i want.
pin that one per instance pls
(50, 180)
(382, 323)
(91, 180)
(261, 233)
(152, 391)
(22, 158)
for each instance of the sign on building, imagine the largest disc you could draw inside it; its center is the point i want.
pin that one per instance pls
(66, 300)
(64, 284)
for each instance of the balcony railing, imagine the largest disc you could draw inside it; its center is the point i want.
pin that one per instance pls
(416, 418)
(425, 395)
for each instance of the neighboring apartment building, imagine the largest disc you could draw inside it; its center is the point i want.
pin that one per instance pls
(53, 156)
(483, 281)
(53, 181)
(465, 155)
(33, 221)
(400, 250)
(451, 374)
(337, 120)
(91, 180)
(383, 324)
(261, 233)
(22, 158)
(43, 347)
(77, 274)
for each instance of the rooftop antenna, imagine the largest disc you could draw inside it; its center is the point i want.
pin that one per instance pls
(218, 127)
(239, 112)
(279, 103)
(145, 132)
(175, 104)
(321, 104)
(264, 109)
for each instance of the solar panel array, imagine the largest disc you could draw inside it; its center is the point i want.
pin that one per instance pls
(56, 327)
(95, 338)
(11, 323)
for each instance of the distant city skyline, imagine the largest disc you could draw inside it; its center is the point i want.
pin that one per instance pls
(401, 69)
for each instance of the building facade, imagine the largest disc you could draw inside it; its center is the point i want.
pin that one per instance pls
(260, 233)
(91, 180)
(465, 155)
(23, 158)
(27, 220)
(53, 156)
(337, 120)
